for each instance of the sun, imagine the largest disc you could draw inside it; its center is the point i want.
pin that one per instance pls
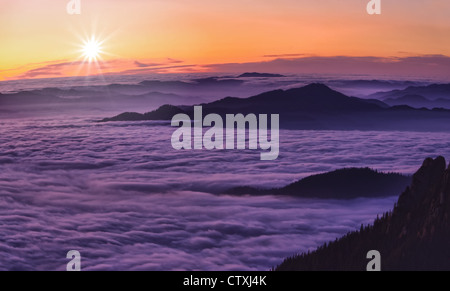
(92, 49)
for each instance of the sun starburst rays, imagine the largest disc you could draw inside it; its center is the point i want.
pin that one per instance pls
(92, 49)
(91, 53)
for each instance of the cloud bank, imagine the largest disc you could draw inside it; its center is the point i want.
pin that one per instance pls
(122, 197)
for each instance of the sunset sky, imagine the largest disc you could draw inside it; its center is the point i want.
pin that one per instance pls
(39, 39)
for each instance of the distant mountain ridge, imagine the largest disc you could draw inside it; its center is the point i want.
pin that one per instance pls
(153, 93)
(430, 96)
(260, 75)
(414, 236)
(346, 183)
(432, 92)
(418, 101)
(316, 106)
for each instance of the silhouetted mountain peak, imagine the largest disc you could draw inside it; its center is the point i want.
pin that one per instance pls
(313, 94)
(315, 97)
(318, 88)
(428, 175)
(313, 90)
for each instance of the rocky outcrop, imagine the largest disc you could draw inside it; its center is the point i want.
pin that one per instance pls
(414, 236)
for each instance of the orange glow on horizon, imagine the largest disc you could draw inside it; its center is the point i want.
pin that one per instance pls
(146, 35)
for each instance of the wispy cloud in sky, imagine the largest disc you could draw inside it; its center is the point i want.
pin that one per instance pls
(421, 66)
(116, 66)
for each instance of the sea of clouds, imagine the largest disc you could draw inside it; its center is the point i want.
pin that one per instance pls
(119, 194)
